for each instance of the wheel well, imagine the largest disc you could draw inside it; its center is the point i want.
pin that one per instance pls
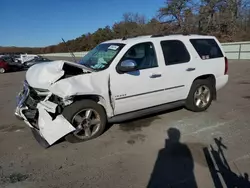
(207, 76)
(98, 99)
(95, 98)
(210, 77)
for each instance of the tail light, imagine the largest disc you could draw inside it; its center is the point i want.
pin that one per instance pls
(226, 66)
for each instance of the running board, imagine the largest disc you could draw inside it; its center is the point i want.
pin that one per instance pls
(144, 112)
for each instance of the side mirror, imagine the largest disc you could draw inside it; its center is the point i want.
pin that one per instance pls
(127, 66)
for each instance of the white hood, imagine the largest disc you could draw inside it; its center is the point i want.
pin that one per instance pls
(45, 74)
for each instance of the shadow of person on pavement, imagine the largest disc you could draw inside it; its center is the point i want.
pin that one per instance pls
(220, 170)
(174, 165)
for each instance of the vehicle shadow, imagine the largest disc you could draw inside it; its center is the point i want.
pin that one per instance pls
(144, 121)
(129, 125)
(219, 167)
(174, 166)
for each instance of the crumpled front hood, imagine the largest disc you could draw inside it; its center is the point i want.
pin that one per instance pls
(45, 74)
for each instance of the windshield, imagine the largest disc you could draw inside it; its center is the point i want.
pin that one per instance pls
(101, 56)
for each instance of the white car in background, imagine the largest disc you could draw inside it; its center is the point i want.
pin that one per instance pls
(119, 80)
(25, 57)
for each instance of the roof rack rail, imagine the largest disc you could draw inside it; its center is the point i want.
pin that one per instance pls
(162, 35)
(183, 33)
(157, 35)
(125, 38)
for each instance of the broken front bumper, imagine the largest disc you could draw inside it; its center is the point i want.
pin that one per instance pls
(47, 129)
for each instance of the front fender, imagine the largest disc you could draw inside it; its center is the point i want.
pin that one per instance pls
(84, 86)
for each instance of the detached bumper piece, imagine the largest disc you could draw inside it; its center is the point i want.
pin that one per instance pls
(37, 115)
(31, 116)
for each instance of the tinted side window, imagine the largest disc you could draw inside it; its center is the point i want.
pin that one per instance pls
(143, 54)
(207, 48)
(174, 52)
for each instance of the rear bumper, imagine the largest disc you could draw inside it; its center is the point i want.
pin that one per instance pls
(221, 81)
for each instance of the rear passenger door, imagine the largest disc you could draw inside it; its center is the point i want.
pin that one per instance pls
(178, 69)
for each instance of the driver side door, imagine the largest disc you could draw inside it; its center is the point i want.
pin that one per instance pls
(141, 88)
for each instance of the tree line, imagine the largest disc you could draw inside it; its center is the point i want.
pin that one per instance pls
(228, 20)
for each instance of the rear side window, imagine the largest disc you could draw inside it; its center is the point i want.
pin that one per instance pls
(207, 48)
(174, 52)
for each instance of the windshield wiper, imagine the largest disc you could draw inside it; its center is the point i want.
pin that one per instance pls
(89, 68)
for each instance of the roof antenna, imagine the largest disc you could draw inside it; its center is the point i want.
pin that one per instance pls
(72, 54)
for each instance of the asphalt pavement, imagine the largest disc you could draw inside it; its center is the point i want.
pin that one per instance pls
(177, 148)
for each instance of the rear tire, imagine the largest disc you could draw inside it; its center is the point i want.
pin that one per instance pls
(82, 115)
(200, 95)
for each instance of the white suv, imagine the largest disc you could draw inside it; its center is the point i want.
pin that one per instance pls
(120, 80)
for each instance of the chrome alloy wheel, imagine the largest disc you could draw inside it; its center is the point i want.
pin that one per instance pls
(202, 96)
(87, 123)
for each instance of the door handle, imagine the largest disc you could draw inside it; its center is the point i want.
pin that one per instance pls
(190, 69)
(155, 75)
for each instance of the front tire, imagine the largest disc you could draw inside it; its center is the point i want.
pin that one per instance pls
(2, 70)
(89, 119)
(200, 96)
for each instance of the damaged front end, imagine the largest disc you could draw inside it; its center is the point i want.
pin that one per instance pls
(49, 88)
(41, 111)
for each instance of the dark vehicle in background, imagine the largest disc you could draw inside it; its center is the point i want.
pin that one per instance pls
(34, 61)
(8, 64)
